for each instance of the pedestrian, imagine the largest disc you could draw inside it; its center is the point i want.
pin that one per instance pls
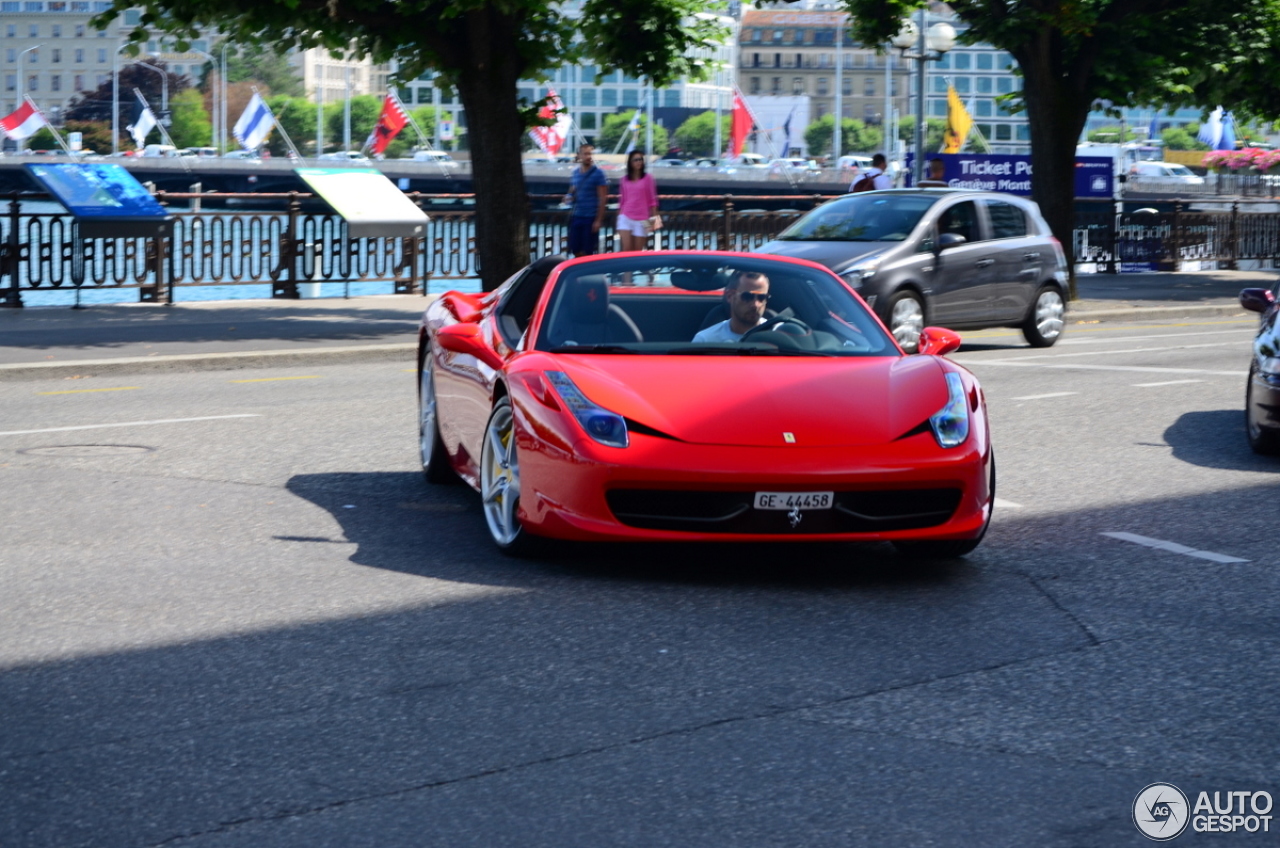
(937, 175)
(637, 204)
(874, 178)
(588, 195)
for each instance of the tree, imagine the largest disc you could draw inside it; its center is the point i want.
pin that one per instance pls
(96, 136)
(855, 136)
(1111, 135)
(615, 127)
(697, 135)
(96, 105)
(365, 109)
(1128, 52)
(934, 129)
(190, 125)
(481, 48)
(1178, 138)
(269, 70)
(297, 116)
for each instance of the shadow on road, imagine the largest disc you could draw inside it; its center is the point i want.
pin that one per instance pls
(1216, 439)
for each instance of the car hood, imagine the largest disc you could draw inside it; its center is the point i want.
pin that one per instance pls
(836, 255)
(753, 401)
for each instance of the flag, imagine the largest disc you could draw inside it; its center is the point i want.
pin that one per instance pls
(958, 123)
(390, 122)
(1211, 130)
(22, 122)
(551, 138)
(255, 124)
(786, 132)
(143, 122)
(1153, 128)
(740, 126)
(1228, 139)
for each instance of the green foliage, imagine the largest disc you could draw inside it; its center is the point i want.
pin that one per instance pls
(698, 134)
(1180, 138)
(365, 109)
(43, 140)
(268, 69)
(1111, 135)
(297, 115)
(96, 135)
(855, 136)
(615, 127)
(190, 125)
(934, 130)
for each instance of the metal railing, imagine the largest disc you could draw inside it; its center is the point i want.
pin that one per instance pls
(294, 242)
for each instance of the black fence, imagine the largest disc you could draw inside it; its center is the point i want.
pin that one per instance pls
(287, 241)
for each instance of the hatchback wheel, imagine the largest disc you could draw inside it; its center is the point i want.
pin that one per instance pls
(906, 319)
(1263, 440)
(1045, 320)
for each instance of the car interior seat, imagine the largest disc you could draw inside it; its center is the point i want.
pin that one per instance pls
(592, 319)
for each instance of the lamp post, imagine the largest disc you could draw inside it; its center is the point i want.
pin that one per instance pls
(941, 38)
(21, 82)
(164, 85)
(213, 99)
(115, 100)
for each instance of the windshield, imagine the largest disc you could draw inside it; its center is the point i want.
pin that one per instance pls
(869, 217)
(678, 304)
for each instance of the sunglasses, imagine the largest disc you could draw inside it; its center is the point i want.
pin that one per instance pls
(753, 297)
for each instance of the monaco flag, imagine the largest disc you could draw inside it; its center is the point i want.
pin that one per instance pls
(740, 127)
(23, 123)
(390, 122)
(551, 139)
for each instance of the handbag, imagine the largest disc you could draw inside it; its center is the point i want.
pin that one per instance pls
(653, 224)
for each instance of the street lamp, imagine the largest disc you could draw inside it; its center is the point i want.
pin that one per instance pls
(21, 81)
(115, 100)
(164, 89)
(214, 93)
(940, 38)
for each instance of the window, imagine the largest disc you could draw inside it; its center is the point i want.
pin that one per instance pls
(33, 6)
(525, 94)
(797, 85)
(775, 85)
(1007, 220)
(1024, 132)
(938, 85)
(79, 82)
(180, 70)
(985, 61)
(963, 61)
(777, 60)
(79, 56)
(588, 97)
(10, 82)
(79, 6)
(33, 31)
(868, 114)
(34, 57)
(630, 97)
(608, 97)
(33, 83)
(587, 120)
(1004, 132)
(757, 36)
(11, 31)
(945, 62)
(11, 55)
(9, 6)
(982, 85)
(893, 86)
(777, 36)
(755, 60)
(57, 55)
(846, 87)
(1006, 85)
(822, 86)
(799, 37)
(671, 99)
(55, 82)
(55, 31)
(983, 109)
(985, 129)
(869, 87)
(754, 86)
(825, 37)
(201, 45)
(962, 220)
(102, 56)
(938, 108)
(79, 30)
(963, 85)
(132, 17)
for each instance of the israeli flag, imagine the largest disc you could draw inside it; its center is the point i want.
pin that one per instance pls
(255, 124)
(1211, 130)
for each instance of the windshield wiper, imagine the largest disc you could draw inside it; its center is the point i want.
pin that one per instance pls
(593, 348)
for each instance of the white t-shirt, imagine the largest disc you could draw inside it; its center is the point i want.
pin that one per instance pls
(879, 179)
(721, 333)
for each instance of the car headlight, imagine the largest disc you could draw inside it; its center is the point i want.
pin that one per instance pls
(861, 272)
(951, 423)
(607, 428)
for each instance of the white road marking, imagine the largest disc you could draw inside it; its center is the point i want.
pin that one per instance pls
(1049, 395)
(1123, 350)
(1165, 383)
(128, 424)
(1173, 547)
(1001, 503)
(1077, 341)
(1144, 369)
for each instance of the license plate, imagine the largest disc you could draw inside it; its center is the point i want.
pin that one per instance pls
(794, 500)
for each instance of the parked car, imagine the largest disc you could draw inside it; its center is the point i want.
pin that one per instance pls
(165, 151)
(344, 156)
(669, 163)
(435, 157)
(1262, 391)
(1168, 172)
(575, 399)
(795, 165)
(958, 259)
(242, 154)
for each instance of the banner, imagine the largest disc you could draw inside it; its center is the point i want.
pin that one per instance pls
(551, 139)
(958, 123)
(390, 122)
(740, 127)
(1012, 174)
(23, 122)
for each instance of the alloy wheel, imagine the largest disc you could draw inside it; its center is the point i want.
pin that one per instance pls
(500, 477)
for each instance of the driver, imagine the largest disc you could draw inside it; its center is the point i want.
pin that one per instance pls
(747, 303)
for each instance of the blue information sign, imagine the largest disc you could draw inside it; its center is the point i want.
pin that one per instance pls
(97, 190)
(1012, 173)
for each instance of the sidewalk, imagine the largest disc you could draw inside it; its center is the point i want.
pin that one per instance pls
(55, 342)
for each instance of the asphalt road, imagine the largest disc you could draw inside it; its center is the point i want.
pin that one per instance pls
(244, 620)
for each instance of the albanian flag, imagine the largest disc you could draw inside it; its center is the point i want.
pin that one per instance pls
(390, 122)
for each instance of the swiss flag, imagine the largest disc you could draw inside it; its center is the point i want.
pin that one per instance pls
(390, 122)
(741, 125)
(22, 123)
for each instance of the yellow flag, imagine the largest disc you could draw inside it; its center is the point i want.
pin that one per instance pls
(958, 123)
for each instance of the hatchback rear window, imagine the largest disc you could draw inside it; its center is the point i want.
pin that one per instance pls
(1007, 220)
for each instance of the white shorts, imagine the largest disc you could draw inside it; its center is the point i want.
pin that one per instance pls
(636, 228)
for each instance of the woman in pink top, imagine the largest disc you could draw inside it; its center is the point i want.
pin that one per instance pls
(637, 204)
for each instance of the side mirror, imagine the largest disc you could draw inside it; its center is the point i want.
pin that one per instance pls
(938, 341)
(465, 338)
(1257, 300)
(950, 240)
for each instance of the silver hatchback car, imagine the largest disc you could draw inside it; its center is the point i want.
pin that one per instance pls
(945, 257)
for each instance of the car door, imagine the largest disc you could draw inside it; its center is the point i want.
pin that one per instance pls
(1022, 257)
(964, 274)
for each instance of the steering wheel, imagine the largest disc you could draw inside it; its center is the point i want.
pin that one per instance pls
(778, 323)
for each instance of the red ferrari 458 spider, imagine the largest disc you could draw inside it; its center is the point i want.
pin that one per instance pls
(700, 396)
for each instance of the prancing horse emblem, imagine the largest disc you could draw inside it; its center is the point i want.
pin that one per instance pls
(794, 516)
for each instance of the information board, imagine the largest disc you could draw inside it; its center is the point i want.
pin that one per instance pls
(370, 203)
(1012, 173)
(106, 200)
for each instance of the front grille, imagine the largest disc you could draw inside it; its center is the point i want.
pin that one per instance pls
(867, 511)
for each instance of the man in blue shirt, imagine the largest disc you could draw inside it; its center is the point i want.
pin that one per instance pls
(588, 194)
